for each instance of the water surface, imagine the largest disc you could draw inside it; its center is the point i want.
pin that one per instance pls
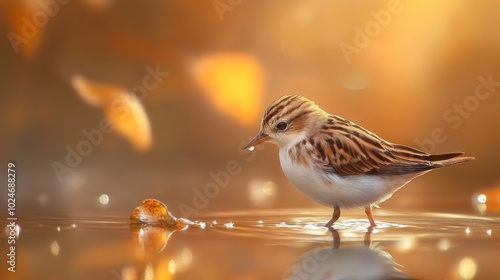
(289, 244)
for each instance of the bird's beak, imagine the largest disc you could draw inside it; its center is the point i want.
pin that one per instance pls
(261, 137)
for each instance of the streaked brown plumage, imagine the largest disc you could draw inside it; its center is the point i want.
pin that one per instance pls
(337, 162)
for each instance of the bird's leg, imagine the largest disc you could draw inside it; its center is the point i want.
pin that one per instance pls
(368, 237)
(336, 238)
(368, 211)
(335, 216)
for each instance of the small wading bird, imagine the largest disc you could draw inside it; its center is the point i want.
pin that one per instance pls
(338, 163)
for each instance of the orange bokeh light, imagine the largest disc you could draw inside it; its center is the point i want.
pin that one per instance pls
(233, 82)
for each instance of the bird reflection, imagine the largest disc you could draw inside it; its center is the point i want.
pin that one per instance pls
(360, 262)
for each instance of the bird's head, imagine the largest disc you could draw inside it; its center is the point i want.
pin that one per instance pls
(288, 120)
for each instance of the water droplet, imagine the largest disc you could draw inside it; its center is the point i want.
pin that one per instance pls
(229, 225)
(172, 267)
(73, 225)
(149, 272)
(481, 198)
(104, 199)
(467, 268)
(260, 222)
(54, 248)
(58, 229)
(406, 244)
(443, 244)
(488, 232)
(467, 231)
(251, 148)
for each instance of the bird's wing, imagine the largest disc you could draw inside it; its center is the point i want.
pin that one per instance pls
(345, 148)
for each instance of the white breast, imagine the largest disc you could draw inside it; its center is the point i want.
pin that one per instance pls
(345, 191)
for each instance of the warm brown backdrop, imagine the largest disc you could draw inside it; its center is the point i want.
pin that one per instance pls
(227, 60)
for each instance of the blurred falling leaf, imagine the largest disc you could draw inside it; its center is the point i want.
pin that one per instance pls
(130, 119)
(122, 108)
(27, 21)
(233, 82)
(96, 94)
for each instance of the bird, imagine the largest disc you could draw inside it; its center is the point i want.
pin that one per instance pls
(338, 163)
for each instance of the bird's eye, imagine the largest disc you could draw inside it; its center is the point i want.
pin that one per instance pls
(281, 126)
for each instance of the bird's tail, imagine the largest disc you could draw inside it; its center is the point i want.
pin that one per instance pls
(443, 160)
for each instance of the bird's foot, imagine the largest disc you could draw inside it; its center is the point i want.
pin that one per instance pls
(335, 216)
(368, 211)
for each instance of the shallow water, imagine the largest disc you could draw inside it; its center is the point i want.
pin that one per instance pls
(290, 244)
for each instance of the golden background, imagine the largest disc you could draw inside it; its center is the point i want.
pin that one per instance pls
(402, 69)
